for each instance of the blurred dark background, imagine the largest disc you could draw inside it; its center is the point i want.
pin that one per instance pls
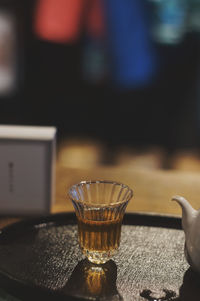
(52, 88)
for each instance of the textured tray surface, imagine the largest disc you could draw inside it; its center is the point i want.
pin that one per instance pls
(43, 257)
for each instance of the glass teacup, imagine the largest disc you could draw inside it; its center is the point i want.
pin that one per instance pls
(99, 207)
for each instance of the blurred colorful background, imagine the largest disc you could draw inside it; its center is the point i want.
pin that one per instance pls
(119, 78)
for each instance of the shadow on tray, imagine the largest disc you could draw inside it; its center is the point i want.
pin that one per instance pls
(87, 282)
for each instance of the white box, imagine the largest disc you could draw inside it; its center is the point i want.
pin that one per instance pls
(27, 169)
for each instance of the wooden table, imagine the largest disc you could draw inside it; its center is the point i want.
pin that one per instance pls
(153, 189)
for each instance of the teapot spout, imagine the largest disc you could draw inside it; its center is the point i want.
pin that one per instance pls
(188, 213)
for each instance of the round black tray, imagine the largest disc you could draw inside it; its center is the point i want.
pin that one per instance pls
(40, 258)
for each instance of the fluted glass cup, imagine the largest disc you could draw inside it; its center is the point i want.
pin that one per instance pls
(99, 208)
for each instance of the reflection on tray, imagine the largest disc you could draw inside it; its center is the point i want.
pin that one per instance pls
(93, 281)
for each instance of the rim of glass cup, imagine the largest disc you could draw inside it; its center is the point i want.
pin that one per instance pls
(96, 182)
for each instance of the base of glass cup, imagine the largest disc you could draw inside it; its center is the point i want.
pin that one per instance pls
(99, 257)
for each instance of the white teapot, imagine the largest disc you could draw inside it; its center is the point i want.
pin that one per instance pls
(191, 227)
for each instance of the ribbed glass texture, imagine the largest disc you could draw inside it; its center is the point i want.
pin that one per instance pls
(99, 207)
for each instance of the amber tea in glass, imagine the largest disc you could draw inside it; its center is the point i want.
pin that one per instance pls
(99, 207)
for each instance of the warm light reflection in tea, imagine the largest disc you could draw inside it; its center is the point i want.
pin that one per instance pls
(100, 235)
